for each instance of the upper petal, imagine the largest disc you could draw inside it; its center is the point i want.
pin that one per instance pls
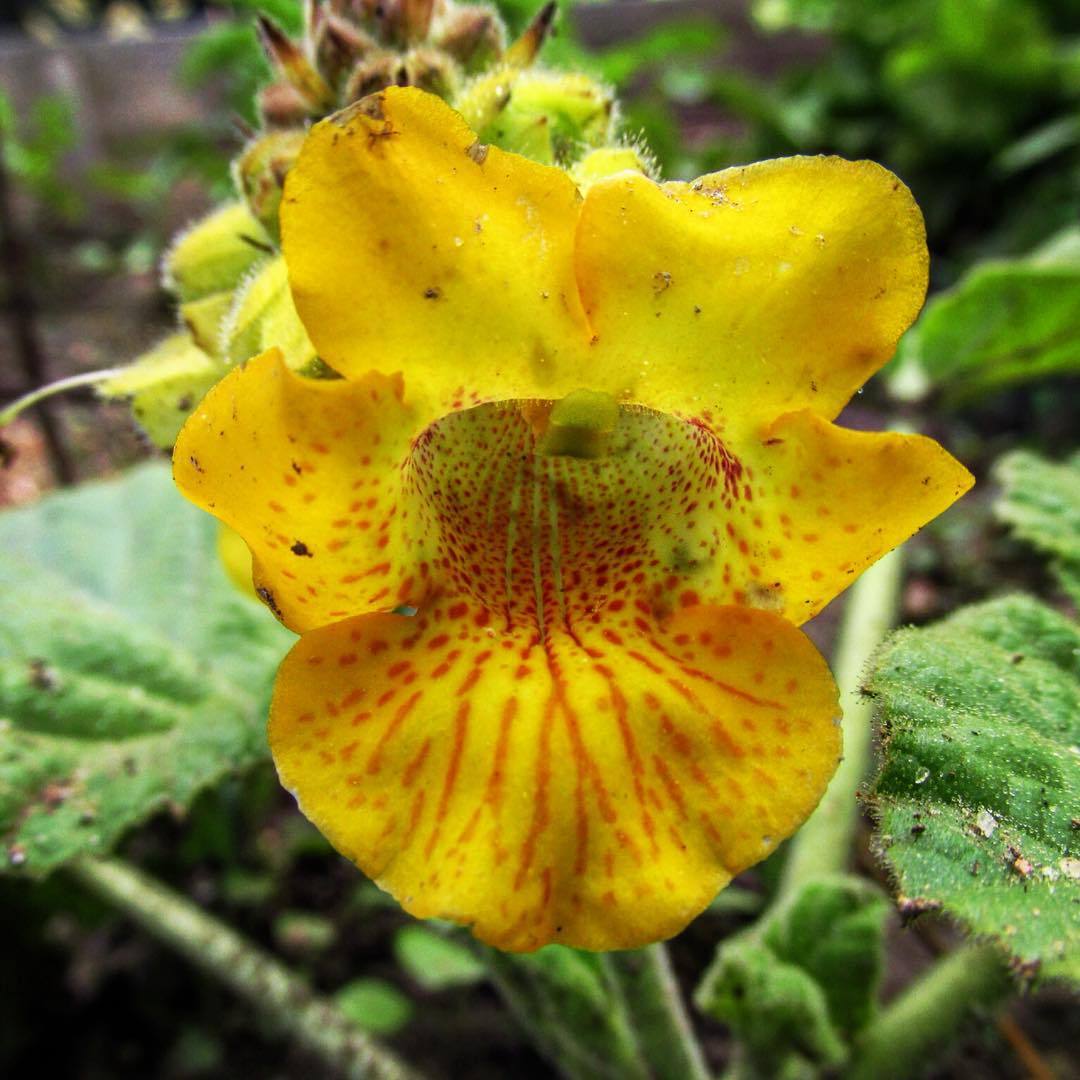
(754, 291)
(413, 248)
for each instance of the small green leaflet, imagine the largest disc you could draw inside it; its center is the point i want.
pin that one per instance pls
(1041, 501)
(978, 797)
(132, 674)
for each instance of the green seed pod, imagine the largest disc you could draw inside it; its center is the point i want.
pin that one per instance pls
(214, 253)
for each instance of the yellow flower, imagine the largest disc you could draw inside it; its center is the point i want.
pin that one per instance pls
(589, 440)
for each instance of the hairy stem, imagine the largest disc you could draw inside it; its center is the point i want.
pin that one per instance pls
(262, 981)
(823, 845)
(903, 1038)
(657, 1014)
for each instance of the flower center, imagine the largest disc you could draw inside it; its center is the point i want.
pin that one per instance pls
(547, 512)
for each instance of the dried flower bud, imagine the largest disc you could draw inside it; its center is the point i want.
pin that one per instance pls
(290, 60)
(339, 45)
(282, 105)
(474, 35)
(432, 70)
(525, 49)
(372, 74)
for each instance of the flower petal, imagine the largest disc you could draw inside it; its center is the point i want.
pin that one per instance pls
(596, 792)
(412, 247)
(671, 515)
(822, 503)
(306, 471)
(753, 291)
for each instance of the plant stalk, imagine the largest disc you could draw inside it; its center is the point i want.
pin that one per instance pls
(657, 1015)
(903, 1038)
(261, 980)
(823, 845)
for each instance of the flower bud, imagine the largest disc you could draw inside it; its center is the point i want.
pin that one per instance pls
(291, 62)
(606, 161)
(474, 35)
(372, 74)
(282, 105)
(431, 70)
(260, 171)
(549, 116)
(339, 45)
(214, 253)
(203, 319)
(263, 315)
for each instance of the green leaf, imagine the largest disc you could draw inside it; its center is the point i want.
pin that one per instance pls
(1006, 322)
(132, 674)
(375, 1006)
(435, 962)
(798, 985)
(1041, 501)
(978, 796)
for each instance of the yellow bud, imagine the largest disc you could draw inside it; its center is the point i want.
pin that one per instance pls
(606, 161)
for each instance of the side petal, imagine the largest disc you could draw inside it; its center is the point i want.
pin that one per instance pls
(822, 503)
(595, 791)
(306, 471)
(753, 291)
(410, 246)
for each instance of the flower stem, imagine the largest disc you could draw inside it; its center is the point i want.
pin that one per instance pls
(900, 1042)
(823, 845)
(254, 975)
(657, 1015)
(72, 382)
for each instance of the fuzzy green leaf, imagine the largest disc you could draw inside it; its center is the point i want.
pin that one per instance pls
(978, 796)
(1041, 501)
(1006, 322)
(132, 673)
(802, 982)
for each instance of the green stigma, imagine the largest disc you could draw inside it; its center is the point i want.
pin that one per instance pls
(580, 425)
